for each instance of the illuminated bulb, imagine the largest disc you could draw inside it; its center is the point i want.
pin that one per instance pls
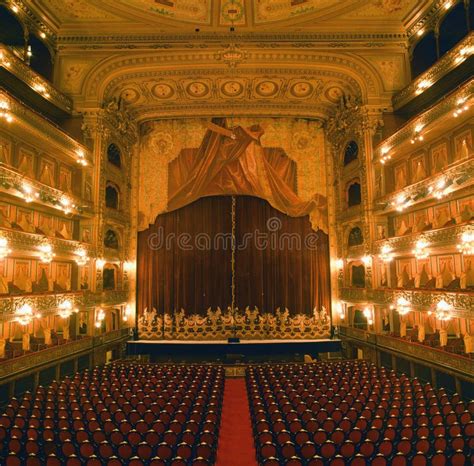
(466, 245)
(4, 250)
(24, 315)
(82, 257)
(99, 263)
(14, 8)
(339, 263)
(42, 35)
(420, 250)
(386, 253)
(403, 306)
(28, 193)
(129, 266)
(29, 53)
(46, 253)
(447, 5)
(443, 310)
(65, 309)
(66, 205)
(400, 203)
(366, 260)
(420, 32)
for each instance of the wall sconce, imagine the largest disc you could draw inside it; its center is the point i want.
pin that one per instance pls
(81, 158)
(386, 253)
(340, 310)
(100, 317)
(443, 310)
(339, 264)
(466, 245)
(46, 253)
(461, 107)
(401, 203)
(127, 313)
(403, 306)
(420, 250)
(129, 266)
(5, 107)
(441, 188)
(82, 257)
(67, 205)
(99, 263)
(25, 315)
(369, 315)
(422, 86)
(367, 260)
(4, 249)
(65, 309)
(38, 87)
(385, 156)
(29, 193)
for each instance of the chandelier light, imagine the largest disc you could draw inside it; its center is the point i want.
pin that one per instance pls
(65, 309)
(401, 203)
(24, 315)
(466, 244)
(127, 313)
(46, 253)
(403, 306)
(421, 251)
(369, 315)
(386, 253)
(81, 158)
(81, 257)
(443, 310)
(5, 107)
(4, 249)
(100, 316)
(367, 260)
(29, 194)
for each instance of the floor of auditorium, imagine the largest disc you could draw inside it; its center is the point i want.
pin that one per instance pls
(336, 413)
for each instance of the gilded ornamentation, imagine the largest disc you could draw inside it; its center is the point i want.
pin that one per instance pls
(216, 325)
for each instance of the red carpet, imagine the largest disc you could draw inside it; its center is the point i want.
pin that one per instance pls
(236, 446)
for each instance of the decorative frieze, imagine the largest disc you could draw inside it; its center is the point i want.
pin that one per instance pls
(462, 302)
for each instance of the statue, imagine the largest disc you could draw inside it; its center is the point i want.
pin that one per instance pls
(443, 337)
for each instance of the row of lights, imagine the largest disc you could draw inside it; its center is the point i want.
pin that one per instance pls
(25, 314)
(5, 109)
(29, 194)
(442, 310)
(16, 10)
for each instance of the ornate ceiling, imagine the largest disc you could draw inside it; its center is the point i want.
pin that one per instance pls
(246, 15)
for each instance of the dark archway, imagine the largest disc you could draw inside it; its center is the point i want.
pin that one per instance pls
(354, 196)
(351, 152)
(11, 30)
(114, 155)
(111, 197)
(111, 239)
(41, 60)
(356, 237)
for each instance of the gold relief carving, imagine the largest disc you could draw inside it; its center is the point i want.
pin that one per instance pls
(26, 163)
(217, 325)
(5, 152)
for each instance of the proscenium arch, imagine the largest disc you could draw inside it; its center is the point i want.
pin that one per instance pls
(97, 82)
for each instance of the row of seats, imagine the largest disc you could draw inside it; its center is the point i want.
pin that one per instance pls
(352, 412)
(132, 413)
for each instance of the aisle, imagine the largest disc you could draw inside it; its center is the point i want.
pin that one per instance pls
(236, 445)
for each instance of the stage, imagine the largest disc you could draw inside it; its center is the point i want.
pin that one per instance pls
(222, 350)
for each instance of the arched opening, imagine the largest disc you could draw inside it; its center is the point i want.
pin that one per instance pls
(41, 60)
(471, 15)
(453, 28)
(354, 196)
(114, 155)
(424, 54)
(356, 237)
(11, 30)
(111, 239)
(351, 152)
(358, 276)
(111, 196)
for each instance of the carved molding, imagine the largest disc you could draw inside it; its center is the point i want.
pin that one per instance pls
(463, 302)
(220, 326)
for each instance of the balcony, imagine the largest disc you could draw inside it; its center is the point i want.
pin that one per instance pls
(426, 354)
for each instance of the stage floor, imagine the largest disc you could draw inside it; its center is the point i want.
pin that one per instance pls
(222, 350)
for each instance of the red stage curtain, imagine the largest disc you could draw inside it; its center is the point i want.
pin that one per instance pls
(280, 261)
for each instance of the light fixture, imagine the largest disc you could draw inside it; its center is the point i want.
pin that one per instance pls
(464, 53)
(81, 158)
(417, 136)
(403, 306)
(41, 88)
(443, 310)
(65, 309)
(14, 8)
(66, 204)
(441, 188)
(129, 266)
(423, 85)
(339, 263)
(82, 257)
(447, 5)
(420, 32)
(401, 202)
(4, 249)
(127, 313)
(420, 250)
(369, 315)
(46, 253)
(99, 263)
(461, 106)
(24, 315)
(43, 35)
(385, 156)
(386, 253)
(367, 260)
(5, 108)
(340, 310)
(466, 244)
(29, 193)
(100, 316)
